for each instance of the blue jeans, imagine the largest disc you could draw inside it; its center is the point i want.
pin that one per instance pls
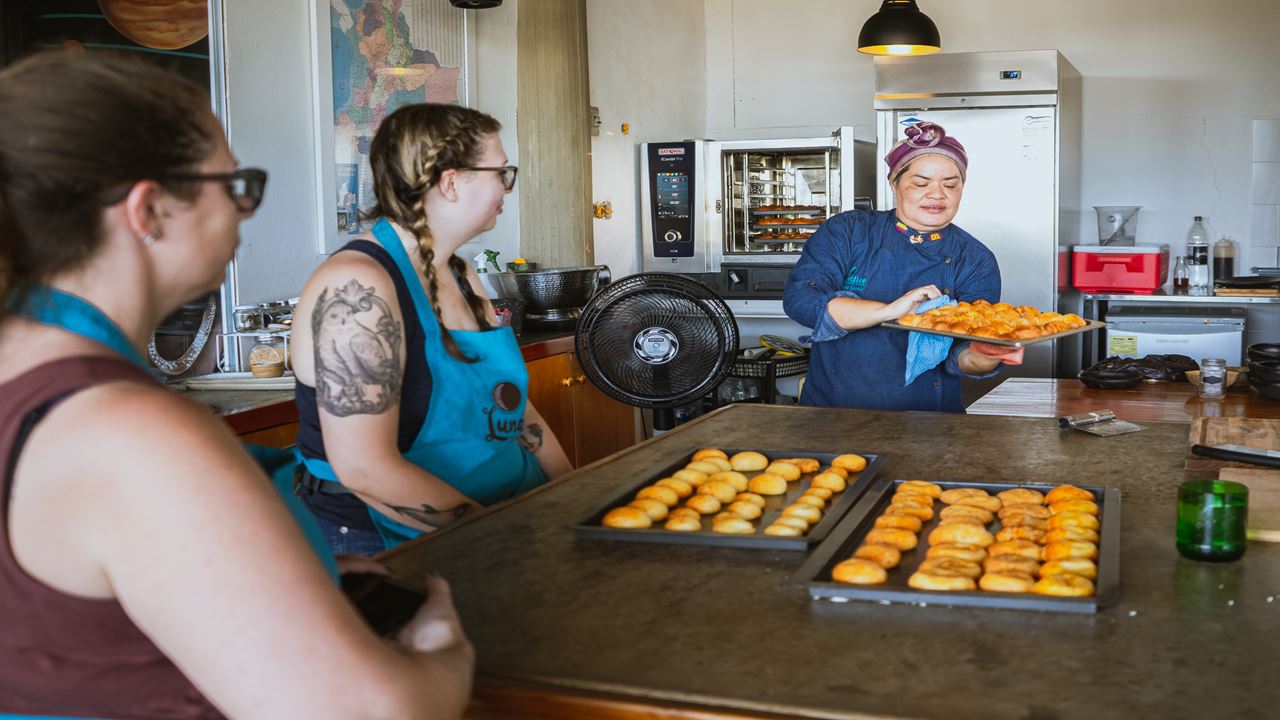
(345, 522)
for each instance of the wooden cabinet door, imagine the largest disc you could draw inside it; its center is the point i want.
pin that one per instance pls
(602, 425)
(551, 392)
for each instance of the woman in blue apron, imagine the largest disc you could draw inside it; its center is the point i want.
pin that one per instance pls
(414, 408)
(146, 567)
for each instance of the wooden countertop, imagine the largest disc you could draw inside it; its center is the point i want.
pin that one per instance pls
(575, 628)
(1149, 402)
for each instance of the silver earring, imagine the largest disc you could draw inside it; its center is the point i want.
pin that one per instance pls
(150, 238)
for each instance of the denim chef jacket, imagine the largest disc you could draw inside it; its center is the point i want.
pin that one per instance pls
(863, 254)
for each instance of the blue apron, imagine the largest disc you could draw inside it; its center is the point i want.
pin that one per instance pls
(475, 413)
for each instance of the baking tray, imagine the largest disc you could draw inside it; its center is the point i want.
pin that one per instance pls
(790, 211)
(840, 545)
(591, 528)
(1092, 325)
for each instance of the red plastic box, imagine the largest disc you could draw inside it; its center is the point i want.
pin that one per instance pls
(1138, 269)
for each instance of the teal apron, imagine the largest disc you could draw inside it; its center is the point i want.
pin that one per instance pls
(475, 413)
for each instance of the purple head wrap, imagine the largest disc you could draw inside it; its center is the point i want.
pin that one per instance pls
(925, 138)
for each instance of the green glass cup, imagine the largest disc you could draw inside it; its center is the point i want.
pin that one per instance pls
(1211, 519)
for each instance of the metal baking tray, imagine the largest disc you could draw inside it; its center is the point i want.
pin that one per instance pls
(794, 211)
(1092, 325)
(591, 528)
(816, 572)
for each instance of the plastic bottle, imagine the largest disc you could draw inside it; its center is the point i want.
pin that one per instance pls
(491, 285)
(1224, 259)
(1198, 257)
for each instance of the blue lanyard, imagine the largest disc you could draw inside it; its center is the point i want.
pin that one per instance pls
(55, 308)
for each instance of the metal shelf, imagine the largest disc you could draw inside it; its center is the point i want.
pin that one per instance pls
(1183, 299)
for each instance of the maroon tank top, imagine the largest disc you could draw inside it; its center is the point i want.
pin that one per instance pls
(59, 654)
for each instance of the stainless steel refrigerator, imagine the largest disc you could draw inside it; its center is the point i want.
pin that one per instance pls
(1018, 116)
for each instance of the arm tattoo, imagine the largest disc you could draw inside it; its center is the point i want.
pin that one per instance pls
(531, 438)
(357, 352)
(432, 517)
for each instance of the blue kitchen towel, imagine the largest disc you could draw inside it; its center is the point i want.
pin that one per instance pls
(926, 352)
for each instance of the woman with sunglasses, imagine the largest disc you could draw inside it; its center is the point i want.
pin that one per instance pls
(147, 568)
(413, 406)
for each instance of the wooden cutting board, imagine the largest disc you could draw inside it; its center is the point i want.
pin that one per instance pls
(1250, 432)
(1247, 292)
(1264, 500)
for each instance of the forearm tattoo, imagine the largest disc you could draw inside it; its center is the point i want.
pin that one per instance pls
(357, 354)
(531, 438)
(432, 517)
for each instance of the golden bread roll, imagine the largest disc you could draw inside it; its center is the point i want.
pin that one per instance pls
(919, 486)
(968, 534)
(783, 531)
(682, 488)
(693, 477)
(961, 520)
(1071, 533)
(791, 521)
(685, 512)
(1067, 492)
(767, 484)
(719, 462)
(745, 510)
(627, 517)
(806, 465)
(683, 523)
(704, 504)
(852, 463)
(1024, 520)
(913, 508)
(1083, 567)
(709, 452)
(1064, 585)
(720, 490)
(1020, 532)
(654, 509)
(813, 500)
(951, 496)
(986, 502)
(946, 583)
(1073, 519)
(824, 493)
(1018, 496)
(920, 498)
(830, 481)
(856, 571)
(664, 495)
(749, 460)
(733, 477)
(951, 511)
(951, 566)
(844, 474)
(733, 526)
(1036, 511)
(784, 470)
(1088, 507)
(1064, 549)
(808, 513)
(1001, 564)
(959, 551)
(897, 537)
(703, 466)
(1018, 548)
(725, 515)
(1011, 582)
(752, 498)
(886, 556)
(910, 523)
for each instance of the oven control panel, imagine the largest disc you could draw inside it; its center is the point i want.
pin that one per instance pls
(671, 190)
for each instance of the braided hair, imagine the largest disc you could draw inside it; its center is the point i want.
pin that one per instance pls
(412, 148)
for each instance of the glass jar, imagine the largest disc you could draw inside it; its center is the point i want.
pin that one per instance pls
(1213, 377)
(1212, 516)
(1181, 277)
(247, 318)
(268, 358)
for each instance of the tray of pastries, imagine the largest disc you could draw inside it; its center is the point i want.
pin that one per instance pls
(1030, 547)
(784, 209)
(780, 221)
(995, 323)
(782, 235)
(768, 499)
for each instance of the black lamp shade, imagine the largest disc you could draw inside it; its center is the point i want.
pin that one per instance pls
(899, 28)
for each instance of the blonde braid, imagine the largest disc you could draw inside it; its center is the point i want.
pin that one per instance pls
(427, 249)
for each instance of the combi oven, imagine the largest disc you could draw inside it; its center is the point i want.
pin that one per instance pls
(737, 214)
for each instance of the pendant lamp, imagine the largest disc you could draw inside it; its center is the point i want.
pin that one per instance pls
(899, 28)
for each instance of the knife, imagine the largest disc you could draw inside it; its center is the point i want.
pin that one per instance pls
(1239, 453)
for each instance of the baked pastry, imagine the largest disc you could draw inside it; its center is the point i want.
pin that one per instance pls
(934, 581)
(626, 517)
(766, 484)
(710, 452)
(920, 498)
(1036, 511)
(733, 477)
(919, 486)
(1021, 519)
(1083, 567)
(897, 537)
(886, 556)
(693, 477)
(968, 534)
(784, 470)
(824, 493)
(726, 515)
(844, 474)
(951, 496)
(806, 465)
(856, 571)
(952, 511)
(1067, 492)
(949, 566)
(792, 521)
(703, 466)
(830, 481)
(1064, 549)
(1011, 582)
(682, 488)
(749, 460)
(751, 498)
(1073, 519)
(994, 320)
(720, 490)
(986, 502)
(733, 526)
(1071, 533)
(913, 508)
(1017, 548)
(683, 523)
(1020, 532)
(654, 509)
(745, 510)
(959, 551)
(783, 531)
(910, 523)
(1088, 507)
(852, 463)
(813, 500)
(1011, 563)
(719, 462)
(1021, 495)
(961, 520)
(685, 512)
(1064, 585)
(664, 495)
(704, 504)
(808, 513)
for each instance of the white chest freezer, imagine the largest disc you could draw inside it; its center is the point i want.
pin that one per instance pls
(1197, 332)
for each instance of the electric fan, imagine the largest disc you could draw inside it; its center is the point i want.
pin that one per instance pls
(657, 341)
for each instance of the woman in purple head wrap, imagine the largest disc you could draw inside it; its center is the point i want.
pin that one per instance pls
(862, 268)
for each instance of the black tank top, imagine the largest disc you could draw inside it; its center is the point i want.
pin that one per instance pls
(416, 387)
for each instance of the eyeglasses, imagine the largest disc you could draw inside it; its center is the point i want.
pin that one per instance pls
(245, 186)
(507, 173)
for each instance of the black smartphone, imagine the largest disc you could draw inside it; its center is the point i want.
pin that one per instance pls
(385, 603)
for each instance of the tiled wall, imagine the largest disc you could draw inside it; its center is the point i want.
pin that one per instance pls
(1263, 244)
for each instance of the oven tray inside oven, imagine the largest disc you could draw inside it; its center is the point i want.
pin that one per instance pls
(591, 528)
(845, 539)
(1092, 325)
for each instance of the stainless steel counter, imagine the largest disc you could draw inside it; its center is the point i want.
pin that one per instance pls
(1181, 299)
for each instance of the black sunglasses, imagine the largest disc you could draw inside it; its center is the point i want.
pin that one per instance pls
(245, 186)
(507, 173)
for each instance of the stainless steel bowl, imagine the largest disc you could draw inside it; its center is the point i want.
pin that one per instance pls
(555, 294)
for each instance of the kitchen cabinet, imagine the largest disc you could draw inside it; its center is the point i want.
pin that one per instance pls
(589, 424)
